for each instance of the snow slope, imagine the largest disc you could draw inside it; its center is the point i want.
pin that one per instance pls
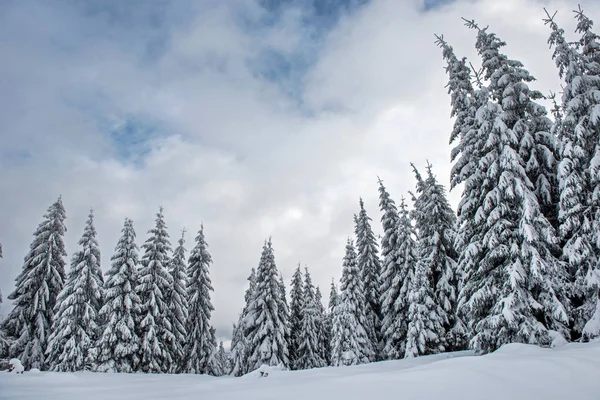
(513, 372)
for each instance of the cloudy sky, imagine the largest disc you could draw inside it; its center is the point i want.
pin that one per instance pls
(256, 117)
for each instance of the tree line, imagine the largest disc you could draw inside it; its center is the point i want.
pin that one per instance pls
(518, 261)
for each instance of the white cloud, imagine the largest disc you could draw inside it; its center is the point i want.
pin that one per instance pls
(237, 154)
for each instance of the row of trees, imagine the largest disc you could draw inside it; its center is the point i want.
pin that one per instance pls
(150, 314)
(518, 263)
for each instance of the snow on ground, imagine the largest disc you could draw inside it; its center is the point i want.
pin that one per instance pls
(513, 372)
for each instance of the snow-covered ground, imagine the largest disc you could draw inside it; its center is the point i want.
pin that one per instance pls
(513, 372)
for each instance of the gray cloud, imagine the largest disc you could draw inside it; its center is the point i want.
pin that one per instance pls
(234, 150)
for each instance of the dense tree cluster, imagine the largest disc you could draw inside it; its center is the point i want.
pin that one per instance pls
(518, 262)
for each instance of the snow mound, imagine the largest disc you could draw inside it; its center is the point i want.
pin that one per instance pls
(266, 371)
(519, 349)
(35, 371)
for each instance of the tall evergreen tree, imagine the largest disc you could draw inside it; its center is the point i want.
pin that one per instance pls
(323, 328)
(511, 275)
(223, 359)
(154, 284)
(435, 223)
(579, 134)
(201, 339)
(264, 327)
(396, 280)
(425, 323)
(37, 288)
(4, 342)
(239, 342)
(118, 346)
(284, 312)
(296, 305)
(178, 307)
(328, 322)
(309, 355)
(350, 341)
(75, 327)
(370, 268)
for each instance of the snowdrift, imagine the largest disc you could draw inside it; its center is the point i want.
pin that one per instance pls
(513, 372)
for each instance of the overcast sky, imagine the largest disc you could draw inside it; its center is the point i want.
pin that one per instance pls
(257, 118)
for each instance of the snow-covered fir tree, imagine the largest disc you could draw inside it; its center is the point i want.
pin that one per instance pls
(4, 342)
(397, 249)
(579, 135)
(239, 356)
(265, 329)
(328, 322)
(370, 268)
(223, 359)
(201, 339)
(296, 305)
(396, 278)
(324, 329)
(37, 287)
(284, 311)
(512, 279)
(425, 328)
(350, 342)
(76, 327)
(309, 354)
(118, 345)
(178, 306)
(435, 223)
(154, 285)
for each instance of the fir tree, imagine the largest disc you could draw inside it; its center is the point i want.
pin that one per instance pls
(37, 288)
(425, 324)
(223, 359)
(309, 355)
(154, 284)
(328, 323)
(350, 342)
(265, 329)
(579, 133)
(201, 338)
(511, 275)
(296, 305)
(323, 328)
(75, 328)
(588, 277)
(239, 354)
(396, 280)
(178, 306)
(4, 342)
(435, 249)
(118, 346)
(370, 267)
(284, 311)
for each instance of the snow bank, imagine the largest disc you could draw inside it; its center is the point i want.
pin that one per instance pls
(516, 372)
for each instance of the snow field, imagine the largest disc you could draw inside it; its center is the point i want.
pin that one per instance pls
(513, 372)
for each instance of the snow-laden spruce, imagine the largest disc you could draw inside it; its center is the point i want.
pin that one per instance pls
(350, 342)
(511, 275)
(154, 285)
(76, 327)
(399, 259)
(323, 329)
(201, 340)
(265, 327)
(118, 346)
(434, 221)
(579, 134)
(370, 268)
(284, 311)
(223, 359)
(239, 353)
(309, 354)
(178, 306)
(296, 305)
(37, 287)
(4, 342)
